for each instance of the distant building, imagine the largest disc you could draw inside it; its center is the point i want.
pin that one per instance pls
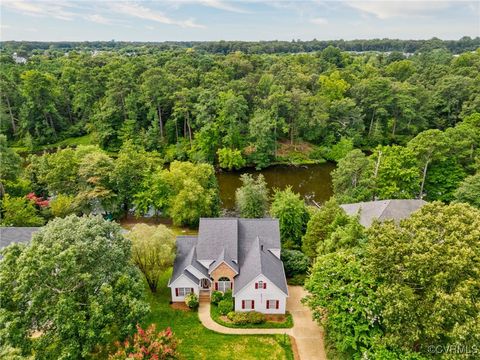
(18, 59)
(383, 210)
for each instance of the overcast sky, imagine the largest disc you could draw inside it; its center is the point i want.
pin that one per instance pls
(63, 20)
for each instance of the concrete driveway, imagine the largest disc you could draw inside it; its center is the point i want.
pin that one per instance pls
(308, 335)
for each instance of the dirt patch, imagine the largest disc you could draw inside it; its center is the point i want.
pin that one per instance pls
(280, 318)
(179, 306)
(296, 355)
(286, 148)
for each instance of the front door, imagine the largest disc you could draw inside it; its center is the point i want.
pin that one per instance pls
(205, 283)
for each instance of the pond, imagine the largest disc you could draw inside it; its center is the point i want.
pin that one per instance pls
(313, 182)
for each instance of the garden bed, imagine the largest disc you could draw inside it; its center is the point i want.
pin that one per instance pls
(273, 321)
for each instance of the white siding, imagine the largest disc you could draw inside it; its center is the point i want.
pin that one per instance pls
(260, 296)
(275, 252)
(182, 281)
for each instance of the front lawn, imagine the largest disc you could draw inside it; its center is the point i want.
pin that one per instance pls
(216, 316)
(197, 342)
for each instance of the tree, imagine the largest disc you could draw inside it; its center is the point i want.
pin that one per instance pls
(19, 211)
(251, 198)
(74, 286)
(295, 262)
(469, 191)
(436, 251)
(148, 344)
(63, 205)
(289, 208)
(10, 162)
(321, 225)
(230, 159)
(153, 251)
(352, 179)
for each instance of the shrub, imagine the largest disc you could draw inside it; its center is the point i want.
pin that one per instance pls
(255, 317)
(225, 306)
(295, 262)
(216, 297)
(191, 300)
(240, 318)
(228, 295)
(148, 344)
(231, 315)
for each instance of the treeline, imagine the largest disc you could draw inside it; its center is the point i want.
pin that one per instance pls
(464, 44)
(192, 106)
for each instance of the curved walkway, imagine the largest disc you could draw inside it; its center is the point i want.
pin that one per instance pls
(308, 335)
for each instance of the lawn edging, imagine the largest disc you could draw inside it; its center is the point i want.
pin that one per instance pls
(216, 316)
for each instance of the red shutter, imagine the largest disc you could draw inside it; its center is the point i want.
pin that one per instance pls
(253, 304)
(268, 304)
(231, 284)
(176, 291)
(277, 304)
(191, 290)
(256, 285)
(264, 285)
(243, 304)
(216, 285)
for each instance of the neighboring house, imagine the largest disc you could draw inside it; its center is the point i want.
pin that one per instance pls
(382, 210)
(242, 255)
(10, 235)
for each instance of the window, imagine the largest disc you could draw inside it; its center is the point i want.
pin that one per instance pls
(248, 304)
(183, 291)
(273, 304)
(223, 284)
(260, 285)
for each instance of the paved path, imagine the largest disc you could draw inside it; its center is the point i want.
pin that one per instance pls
(308, 335)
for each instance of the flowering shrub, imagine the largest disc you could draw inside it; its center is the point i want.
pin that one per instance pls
(191, 300)
(39, 201)
(147, 344)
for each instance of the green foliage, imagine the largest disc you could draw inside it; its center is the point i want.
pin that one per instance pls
(228, 295)
(289, 208)
(74, 284)
(339, 150)
(230, 159)
(63, 205)
(216, 297)
(469, 191)
(148, 344)
(436, 249)
(295, 262)
(343, 298)
(153, 251)
(252, 197)
(249, 317)
(191, 300)
(10, 162)
(225, 306)
(255, 317)
(321, 225)
(19, 211)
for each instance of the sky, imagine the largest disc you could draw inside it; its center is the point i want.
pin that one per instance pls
(249, 20)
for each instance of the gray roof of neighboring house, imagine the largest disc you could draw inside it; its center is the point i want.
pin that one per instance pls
(382, 210)
(186, 256)
(215, 234)
(223, 258)
(9, 235)
(260, 260)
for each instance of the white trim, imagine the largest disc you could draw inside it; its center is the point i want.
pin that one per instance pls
(269, 283)
(223, 262)
(194, 271)
(170, 285)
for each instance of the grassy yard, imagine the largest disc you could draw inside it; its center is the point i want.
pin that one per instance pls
(198, 342)
(288, 323)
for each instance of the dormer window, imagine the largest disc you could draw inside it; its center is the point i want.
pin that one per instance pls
(260, 285)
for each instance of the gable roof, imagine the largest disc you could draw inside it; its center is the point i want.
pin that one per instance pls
(261, 261)
(223, 258)
(383, 210)
(9, 235)
(249, 229)
(215, 234)
(186, 256)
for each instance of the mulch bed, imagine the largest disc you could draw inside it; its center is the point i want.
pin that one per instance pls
(179, 306)
(275, 318)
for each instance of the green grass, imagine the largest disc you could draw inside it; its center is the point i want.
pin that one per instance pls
(72, 141)
(216, 316)
(197, 342)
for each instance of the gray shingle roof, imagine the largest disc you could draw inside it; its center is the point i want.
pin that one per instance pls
(383, 210)
(223, 258)
(259, 260)
(9, 235)
(215, 234)
(249, 229)
(186, 255)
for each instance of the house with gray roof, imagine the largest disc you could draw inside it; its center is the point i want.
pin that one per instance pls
(383, 210)
(10, 235)
(242, 255)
